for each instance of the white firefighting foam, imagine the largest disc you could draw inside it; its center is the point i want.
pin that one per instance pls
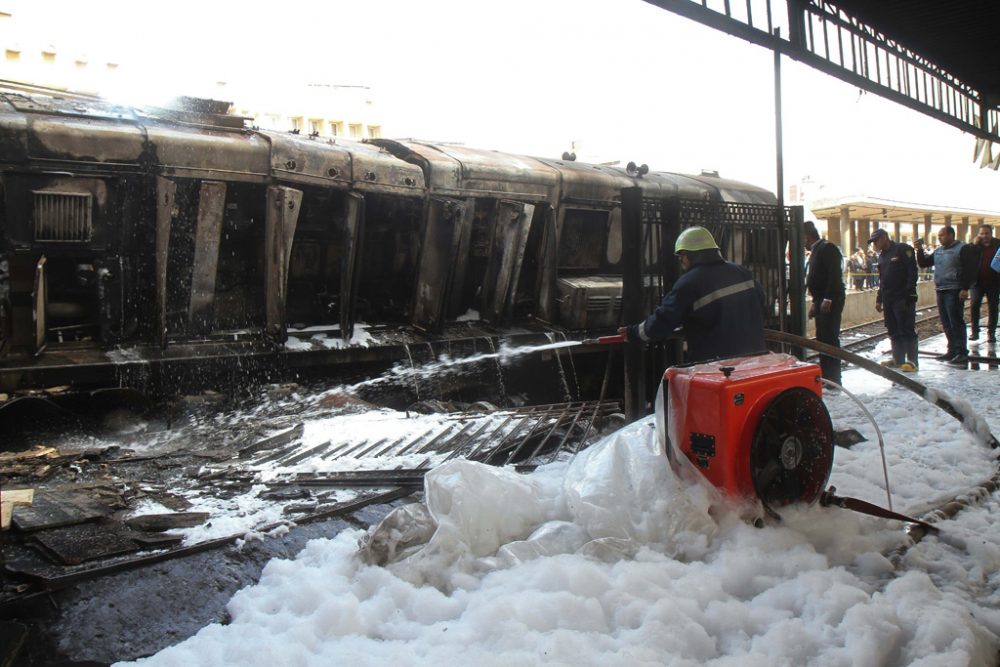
(609, 560)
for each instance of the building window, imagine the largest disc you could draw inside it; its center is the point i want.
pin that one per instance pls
(112, 66)
(336, 128)
(355, 130)
(81, 64)
(315, 126)
(49, 57)
(13, 55)
(374, 131)
(296, 123)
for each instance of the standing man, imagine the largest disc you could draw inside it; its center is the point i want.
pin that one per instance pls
(955, 266)
(719, 304)
(987, 284)
(897, 299)
(825, 283)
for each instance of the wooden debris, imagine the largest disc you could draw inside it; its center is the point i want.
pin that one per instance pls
(157, 523)
(13, 635)
(75, 544)
(54, 509)
(157, 540)
(9, 499)
(273, 441)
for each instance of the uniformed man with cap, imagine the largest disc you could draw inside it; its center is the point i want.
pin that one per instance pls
(897, 299)
(719, 304)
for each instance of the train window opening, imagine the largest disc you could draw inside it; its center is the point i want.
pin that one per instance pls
(583, 243)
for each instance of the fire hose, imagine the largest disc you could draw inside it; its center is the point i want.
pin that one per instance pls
(887, 373)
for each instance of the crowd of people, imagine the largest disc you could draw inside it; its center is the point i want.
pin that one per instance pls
(962, 272)
(718, 305)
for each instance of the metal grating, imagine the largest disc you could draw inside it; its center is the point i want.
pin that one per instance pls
(520, 436)
(63, 217)
(761, 237)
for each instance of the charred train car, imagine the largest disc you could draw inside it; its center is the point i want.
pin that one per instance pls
(137, 245)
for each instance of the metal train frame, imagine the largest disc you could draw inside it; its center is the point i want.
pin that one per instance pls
(139, 247)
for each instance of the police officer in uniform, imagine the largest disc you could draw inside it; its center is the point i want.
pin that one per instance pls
(897, 299)
(719, 304)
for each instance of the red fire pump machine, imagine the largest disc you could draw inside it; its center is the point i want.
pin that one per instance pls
(755, 427)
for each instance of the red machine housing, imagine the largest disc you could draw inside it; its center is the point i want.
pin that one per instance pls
(755, 427)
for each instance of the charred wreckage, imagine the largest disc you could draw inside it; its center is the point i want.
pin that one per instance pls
(156, 248)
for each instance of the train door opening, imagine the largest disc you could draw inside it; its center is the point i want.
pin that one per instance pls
(387, 258)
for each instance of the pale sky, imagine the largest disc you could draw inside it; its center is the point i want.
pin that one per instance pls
(621, 79)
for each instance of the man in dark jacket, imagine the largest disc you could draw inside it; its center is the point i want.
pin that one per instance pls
(719, 304)
(897, 299)
(987, 285)
(955, 267)
(825, 282)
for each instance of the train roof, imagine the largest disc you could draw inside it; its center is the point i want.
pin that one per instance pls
(198, 140)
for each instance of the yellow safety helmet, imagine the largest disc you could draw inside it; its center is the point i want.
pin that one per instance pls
(695, 238)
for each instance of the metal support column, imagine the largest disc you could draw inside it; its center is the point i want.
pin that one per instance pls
(632, 311)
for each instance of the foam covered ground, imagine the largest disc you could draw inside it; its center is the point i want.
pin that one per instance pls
(609, 559)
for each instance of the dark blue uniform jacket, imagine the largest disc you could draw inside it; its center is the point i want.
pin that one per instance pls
(721, 308)
(897, 270)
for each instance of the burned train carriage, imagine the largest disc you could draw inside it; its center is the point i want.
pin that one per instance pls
(136, 239)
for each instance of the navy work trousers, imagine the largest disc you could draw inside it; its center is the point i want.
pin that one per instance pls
(828, 331)
(952, 312)
(900, 321)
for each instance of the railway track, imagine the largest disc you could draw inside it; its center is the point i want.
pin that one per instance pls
(864, 337)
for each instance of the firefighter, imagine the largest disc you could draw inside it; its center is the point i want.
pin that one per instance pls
(719, 304)
(897, 299)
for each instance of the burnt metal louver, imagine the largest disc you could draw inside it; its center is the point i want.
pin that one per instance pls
(62, 216)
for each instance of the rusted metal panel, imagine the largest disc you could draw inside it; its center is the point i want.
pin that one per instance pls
(518, 263)
(446, 220)
(376, 170)
(166, 209)
(85, 140)
(491, 173)
(461, 259)
(208, 233)
(590, 184)
(353, 216)
(283, 205)
(39, 299)
(443, 172)
(510, 233)
(13, 134)
(309, 160)
(213, 154)
(736, 191)
(548, 269)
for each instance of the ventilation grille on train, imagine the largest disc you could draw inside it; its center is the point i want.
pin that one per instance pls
(602, 303)
(62, 216)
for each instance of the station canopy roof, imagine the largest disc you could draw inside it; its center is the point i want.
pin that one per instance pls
(961, 37)
(870, 208)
